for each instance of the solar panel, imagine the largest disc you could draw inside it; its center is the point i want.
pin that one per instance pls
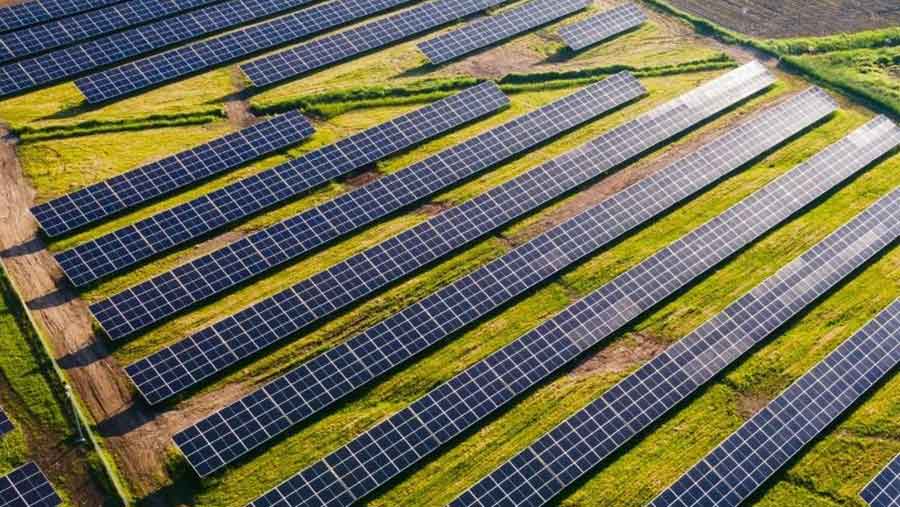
(207, 54)
(190, 361)
(491, 30)
(170, 228)
(179, 289)
(114, 48)
(5, 424)
(27, 486)
(750, 456)
(884, 490)
(40, 38)
(256, 419)
(33, 12)
(581, 442)
(139, 186)
(602, 26)
(383, 452)
(380, 33)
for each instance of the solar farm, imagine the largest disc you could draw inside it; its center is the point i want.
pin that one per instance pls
(285, 253)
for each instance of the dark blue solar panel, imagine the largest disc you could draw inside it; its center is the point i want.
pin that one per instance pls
(207, 54)
(114, 48)
(5, 424)
(591, 435)
(392, 446)
(183, 223)
(269, 321)
(256, 419)
(491, 30)
(139, 186)
(27, 486)
(33, 12)
(765, 443)
(203, 278)
(602, 26)
(350, 43)
(41, 38)
(884, 490)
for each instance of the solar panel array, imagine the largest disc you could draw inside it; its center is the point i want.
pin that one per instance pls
(207, 54)
(167, 229)
(350, 211)
(602, 26)
(40, 38)
(139, 186)
(27, 486)
(5, 424)
(581, 442)
(188, 362)
(765, 443)
(33, 12)
(114, 48)
(884, 490)
(491, 30)
(375, 457)
(356, 41)
(257, 418)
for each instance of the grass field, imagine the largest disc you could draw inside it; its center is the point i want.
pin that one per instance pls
(65, 146)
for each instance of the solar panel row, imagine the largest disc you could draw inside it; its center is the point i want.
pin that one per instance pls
(359, 40)
(484, 32)
(139, 186)
(5, 424)
(71, 61)
(350, 211)
(41, 38)
(581, 442)
(33, 12)
(27, 486)
(765, 443)
(257, 418)
(211, 350)
(602, 26)
(256, 193)
(884, 490)
(392, 446)
(206, 54)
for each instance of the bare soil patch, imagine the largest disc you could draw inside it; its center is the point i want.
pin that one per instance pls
(623, 355)
(794, 18)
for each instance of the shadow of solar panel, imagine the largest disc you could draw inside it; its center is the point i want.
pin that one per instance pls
(356, 41)
(5, 424)
(602, 26)
(394, 445)
(482, 33)
(136, 187)
(338, 217)
(273, 319)
(33, 12)
(27, 486)
(253, 194)
(580, 443)
(31, 73)
(884, 490)
(777, 433)
(207, 54)
(257, 418)
(38, 39)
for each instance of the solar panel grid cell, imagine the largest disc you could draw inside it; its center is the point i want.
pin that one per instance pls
(139, 186)
(207, 54)
(592, 434)
(762, 446)
(602, 26)
(884, 490)
(276, 245)
(493, 29)
(353, 42)
(27, 486)
(257, 418)
(33, 12)
(211, 350)
(392, 446)
(191, 220)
